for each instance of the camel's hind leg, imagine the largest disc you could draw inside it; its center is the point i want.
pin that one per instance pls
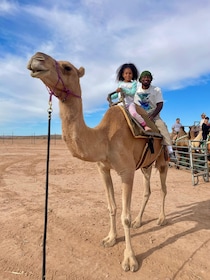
(147, 191)
(110, 240)
(146, 181)
(163, 174)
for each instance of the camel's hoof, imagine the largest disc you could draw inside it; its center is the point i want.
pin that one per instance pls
(136, 224)
(130, 263)
(109, 242)
(161, 222)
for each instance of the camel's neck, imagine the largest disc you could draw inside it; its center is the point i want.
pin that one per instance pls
(81, 140)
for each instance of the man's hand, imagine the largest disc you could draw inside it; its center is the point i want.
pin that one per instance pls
(151, 118)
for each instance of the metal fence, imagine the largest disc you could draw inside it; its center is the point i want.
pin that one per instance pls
(32, 139)
(194, 159)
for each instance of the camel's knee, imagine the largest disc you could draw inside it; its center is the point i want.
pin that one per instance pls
(112, 211)
(126, 221)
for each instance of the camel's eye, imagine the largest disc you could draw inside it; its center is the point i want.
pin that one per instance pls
(67, 68)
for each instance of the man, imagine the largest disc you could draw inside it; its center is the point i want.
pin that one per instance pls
(150, 98)
(205, 128)
(176, 128)
(203, 115)
(198, 138)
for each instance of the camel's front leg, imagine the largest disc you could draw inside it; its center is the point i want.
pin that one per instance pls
(146, 181)
(130, 261)
(110, 240)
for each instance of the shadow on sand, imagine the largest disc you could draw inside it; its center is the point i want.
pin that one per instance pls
(199, 213)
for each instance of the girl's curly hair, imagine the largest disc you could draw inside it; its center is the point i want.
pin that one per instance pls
(121, 69)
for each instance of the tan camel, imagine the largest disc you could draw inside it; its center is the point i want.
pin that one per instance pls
(182, 138)
(193, 132)
(182, 147)
(110, 144)
(197, 140)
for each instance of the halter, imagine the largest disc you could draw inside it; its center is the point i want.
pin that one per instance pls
(66, 90)
(180, 138)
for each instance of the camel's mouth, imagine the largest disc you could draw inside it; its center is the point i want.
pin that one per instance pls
(37, 67)
(36, 73)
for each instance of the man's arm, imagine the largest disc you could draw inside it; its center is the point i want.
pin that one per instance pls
(156, 111)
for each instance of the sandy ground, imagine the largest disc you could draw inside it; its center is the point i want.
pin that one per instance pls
(78, 220)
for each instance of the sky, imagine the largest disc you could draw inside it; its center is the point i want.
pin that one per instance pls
(171, 39)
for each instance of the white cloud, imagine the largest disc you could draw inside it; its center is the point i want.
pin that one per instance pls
(169, 38)
(7, 7)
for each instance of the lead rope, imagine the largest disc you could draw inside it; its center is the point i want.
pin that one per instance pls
(46, 192)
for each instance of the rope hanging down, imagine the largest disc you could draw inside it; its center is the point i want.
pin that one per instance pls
(46, 194)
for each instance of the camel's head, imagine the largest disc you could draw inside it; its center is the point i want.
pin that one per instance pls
(61, 77)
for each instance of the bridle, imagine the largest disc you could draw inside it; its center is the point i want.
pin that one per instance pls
(66, 90)
(180, 138)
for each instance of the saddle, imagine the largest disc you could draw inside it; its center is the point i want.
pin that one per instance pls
(152, 137)
(135, 127)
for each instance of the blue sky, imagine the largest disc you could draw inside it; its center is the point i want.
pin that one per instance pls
(169, 38)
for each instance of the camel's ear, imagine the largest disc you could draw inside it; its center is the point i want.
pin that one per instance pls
(81, 71)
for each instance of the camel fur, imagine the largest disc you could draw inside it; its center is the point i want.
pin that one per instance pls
(110, 144)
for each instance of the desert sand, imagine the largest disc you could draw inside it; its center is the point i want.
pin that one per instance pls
(78, 220)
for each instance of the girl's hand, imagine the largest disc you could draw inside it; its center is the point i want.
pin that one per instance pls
(118, 90)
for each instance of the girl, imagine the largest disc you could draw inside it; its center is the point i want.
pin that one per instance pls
(127, 75)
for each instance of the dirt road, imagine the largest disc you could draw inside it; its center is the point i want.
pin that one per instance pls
(78, 220)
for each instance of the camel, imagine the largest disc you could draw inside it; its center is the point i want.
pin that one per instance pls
(183, 142)
(110, 144)
(182, 137)
(173, 136)
(193, 132)
(197, 140)
(182, 146)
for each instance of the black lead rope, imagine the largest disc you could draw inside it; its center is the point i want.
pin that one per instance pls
(46, 195)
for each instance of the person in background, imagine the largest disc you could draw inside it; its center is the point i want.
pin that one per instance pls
(151, 99)
(127, 75)
(203, 115)
(205, 128)
(198, 138)
(175, 128)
